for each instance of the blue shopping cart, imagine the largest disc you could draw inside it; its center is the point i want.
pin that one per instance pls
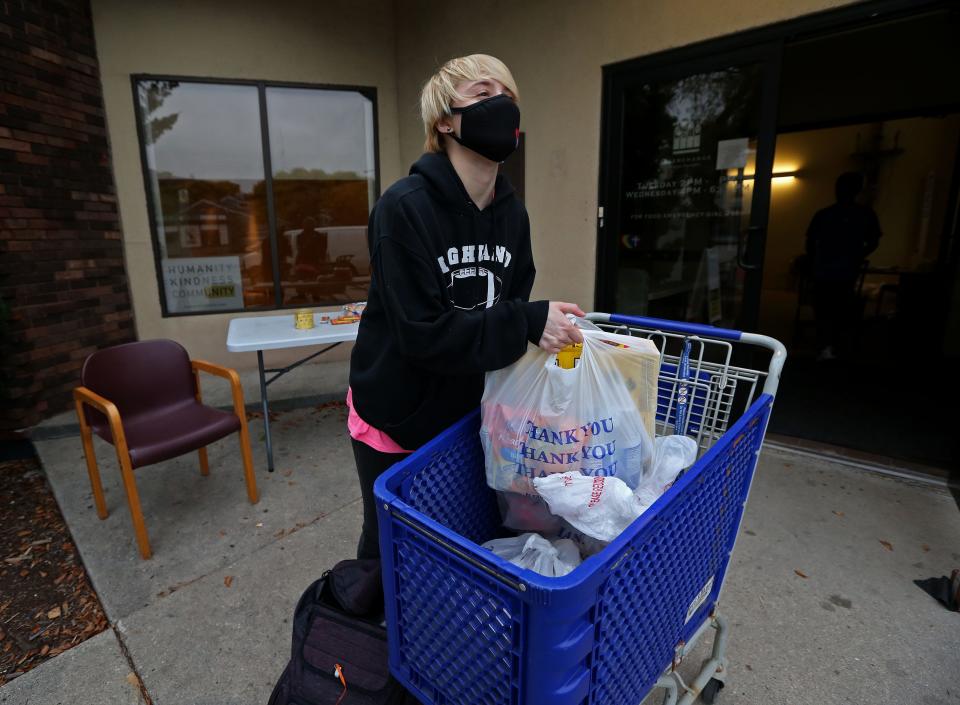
(468, 628)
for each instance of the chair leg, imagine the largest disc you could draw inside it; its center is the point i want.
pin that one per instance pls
(94, 472)
(204, 463)
(133, 500)
(86, 436)
(248, 462)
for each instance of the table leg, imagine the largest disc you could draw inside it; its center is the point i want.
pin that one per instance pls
(266, 411)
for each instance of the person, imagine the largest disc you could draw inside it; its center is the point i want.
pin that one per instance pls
(311, 250)
(839, 239)
(451, 275)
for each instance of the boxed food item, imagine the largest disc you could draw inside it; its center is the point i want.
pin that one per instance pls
(350, 313)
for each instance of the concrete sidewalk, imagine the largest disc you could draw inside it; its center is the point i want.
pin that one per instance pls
(819, 595)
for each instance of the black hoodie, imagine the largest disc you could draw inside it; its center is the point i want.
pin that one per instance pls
(447, 302)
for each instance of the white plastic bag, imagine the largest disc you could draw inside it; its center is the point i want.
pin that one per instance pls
(540, 419)
(538, 554)
(671, 455)
(588, 545)
(600, 507)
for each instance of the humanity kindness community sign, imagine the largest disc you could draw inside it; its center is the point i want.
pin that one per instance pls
(202, 284)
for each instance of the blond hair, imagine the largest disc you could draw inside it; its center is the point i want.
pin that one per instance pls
(440, 91)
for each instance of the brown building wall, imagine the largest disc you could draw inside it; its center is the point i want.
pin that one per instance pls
(62, 274)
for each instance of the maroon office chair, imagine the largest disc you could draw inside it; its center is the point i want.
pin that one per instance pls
(144, 398)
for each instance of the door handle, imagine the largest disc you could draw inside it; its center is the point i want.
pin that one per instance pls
(747, 246)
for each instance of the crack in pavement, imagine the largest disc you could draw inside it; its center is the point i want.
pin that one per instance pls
(137, 680)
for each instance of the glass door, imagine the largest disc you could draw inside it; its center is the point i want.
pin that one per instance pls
(687, 159)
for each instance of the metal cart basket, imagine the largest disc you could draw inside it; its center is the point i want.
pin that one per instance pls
(468, 628)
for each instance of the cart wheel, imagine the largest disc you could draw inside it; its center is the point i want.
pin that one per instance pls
(710, 690)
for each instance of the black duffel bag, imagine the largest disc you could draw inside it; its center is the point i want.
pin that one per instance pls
(339, 654)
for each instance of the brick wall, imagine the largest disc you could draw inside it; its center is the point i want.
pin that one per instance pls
(62, 274)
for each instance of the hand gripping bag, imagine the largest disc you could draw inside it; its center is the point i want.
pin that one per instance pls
(596, 418)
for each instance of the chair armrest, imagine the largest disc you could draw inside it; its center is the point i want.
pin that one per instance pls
(82, 395)
(216, 370)
(228, 374)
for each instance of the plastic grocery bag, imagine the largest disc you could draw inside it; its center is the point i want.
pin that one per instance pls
(588, 545)
(532, 551)
(540, 419)
(671, 455)
(600, 507)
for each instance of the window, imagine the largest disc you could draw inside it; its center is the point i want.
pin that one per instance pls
(258, 192)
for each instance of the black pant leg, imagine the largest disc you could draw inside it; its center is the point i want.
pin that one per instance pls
(822, 312)
(370, 465)
(833, 311)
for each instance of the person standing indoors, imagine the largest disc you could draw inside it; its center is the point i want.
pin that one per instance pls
(839, 239)
(451, 275)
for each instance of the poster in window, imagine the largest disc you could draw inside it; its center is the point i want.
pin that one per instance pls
(194, 284)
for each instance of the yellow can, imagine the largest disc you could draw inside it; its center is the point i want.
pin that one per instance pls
(568, 356)
(303, 319)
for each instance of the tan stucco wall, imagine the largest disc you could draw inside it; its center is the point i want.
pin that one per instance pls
(555, 51)
(334, 41)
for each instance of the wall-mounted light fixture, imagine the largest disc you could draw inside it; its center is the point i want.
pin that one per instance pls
(784, 175)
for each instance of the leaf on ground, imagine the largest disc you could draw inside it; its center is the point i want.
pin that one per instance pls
(925, 547)
(886, 544)
(133, 680)
(839, 514)
(287, 473)
(54, 613)
(801, 574)
(222, 533)
(228, 580)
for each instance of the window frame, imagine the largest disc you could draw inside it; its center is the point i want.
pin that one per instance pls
(369, 92)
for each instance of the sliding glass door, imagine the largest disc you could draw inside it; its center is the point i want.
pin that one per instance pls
(685, 191)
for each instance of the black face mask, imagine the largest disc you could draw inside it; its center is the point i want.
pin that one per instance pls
(491, 127)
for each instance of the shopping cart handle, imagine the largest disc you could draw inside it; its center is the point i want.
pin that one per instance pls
(675, 326)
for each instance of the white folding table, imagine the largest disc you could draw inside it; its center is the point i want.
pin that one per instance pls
(277, 333)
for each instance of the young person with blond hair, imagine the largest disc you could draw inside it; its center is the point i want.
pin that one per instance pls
(451, 274)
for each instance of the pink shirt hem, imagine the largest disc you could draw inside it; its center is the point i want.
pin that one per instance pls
(361, 431)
